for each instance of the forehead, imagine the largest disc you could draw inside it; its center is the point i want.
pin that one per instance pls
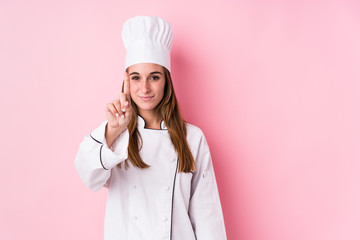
(145, 68)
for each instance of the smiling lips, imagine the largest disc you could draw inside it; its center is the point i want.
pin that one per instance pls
(146, 98)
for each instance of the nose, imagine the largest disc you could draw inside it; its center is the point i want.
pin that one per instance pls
(145, 87)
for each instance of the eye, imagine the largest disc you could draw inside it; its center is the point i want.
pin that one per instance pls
(135, 78)
(155, 77)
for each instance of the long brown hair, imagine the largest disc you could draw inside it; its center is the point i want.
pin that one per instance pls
(170, 112)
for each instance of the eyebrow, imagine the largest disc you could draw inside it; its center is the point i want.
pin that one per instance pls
(133, 73)
(156, 73)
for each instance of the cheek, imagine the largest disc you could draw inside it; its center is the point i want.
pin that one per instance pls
(133, 90)
(133, 94)
(161, 88)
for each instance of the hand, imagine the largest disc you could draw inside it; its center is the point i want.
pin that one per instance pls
(119, 111)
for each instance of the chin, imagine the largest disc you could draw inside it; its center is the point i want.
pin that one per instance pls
(146, 107)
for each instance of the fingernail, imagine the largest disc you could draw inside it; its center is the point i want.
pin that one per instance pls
(122, 116)
(117, 114)
(123, 109)
(126, 103)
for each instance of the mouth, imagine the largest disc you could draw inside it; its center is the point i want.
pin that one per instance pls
(147, 98)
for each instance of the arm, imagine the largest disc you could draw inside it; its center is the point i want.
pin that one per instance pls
(94, 159)
(205, 207)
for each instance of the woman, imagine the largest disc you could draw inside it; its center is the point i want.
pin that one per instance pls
(157, 168)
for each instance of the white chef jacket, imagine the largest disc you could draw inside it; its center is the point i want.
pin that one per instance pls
(158, 202)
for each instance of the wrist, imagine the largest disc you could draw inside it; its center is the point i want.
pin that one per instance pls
(111, 134)
(113, 130)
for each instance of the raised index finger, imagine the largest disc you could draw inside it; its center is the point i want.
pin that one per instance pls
(127, 84)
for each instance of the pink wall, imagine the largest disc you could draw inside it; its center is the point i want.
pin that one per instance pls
(274, 86)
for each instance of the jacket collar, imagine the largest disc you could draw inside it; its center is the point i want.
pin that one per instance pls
(141, 123)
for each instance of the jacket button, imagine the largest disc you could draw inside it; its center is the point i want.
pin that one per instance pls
(167, 188)
(134, 186)
(165, 219)
(172, 159)
(135, 217)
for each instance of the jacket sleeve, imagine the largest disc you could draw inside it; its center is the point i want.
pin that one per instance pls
(94, 159)
(205, 208)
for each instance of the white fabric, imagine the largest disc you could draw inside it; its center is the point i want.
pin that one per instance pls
(147, 40)
(146, 203)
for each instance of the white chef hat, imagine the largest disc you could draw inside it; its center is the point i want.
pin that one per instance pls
(147, 40)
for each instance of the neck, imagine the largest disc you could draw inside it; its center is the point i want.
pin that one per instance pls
(152, 119)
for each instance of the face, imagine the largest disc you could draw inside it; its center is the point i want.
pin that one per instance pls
(147, 82)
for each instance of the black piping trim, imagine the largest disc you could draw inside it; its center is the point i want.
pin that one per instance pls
(172, 200)
(95, 139)
(164, 129)
(155, 129)
(101, 159)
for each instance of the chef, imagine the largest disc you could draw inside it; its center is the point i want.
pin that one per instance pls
(157, 167)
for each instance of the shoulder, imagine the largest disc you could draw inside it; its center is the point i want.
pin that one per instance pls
(195, 135)
(193, 130)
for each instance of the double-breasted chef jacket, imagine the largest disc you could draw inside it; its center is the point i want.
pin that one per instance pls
(155, 203)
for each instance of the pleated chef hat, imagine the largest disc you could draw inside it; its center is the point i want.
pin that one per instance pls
(147, 40)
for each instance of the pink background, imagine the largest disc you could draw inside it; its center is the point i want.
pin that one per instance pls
(274, 85)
